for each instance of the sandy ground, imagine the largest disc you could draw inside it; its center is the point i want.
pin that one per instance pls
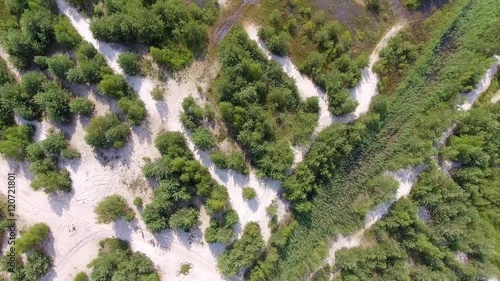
(495, 98)
(407, 177)
(10, 66)
(362, 93)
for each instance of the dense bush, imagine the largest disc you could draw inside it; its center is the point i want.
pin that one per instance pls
(106, 131)
(20, 97)
(38, 264)
(184, 218)
(192, 114)
(234, 161)
(81, 106)
(65, 33)
(33, 33)
(181, 178)
(114, 85)
(112, 208)
(32, 238)
(220, 229)
(134, 108)
(157, 93)
(116, 261)
(14, 140)
(248, 193)
(54, 102)
(59, 65)
(203, 138)
(260, 105)
(174, 31)
(81, 276)
(243, 252)
(90, 65)
(129, 62)
(44, 156)
(5, 75)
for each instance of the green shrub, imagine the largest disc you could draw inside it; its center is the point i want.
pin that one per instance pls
(248, 193)
(157, 93)
(311, 105)
(185, 268)
(173, 58)
(52, 181)
(81, 106)
(54, 102)
(236, 161)
(59, 65)
(129, 62)
(184, 218)
(192, 114)
(37, 265)
(66, 34)
(32, 238)
(138, 201)
(112, 208)
(203, 138)
(113, 85)
(81, 276)
(134, 108)
(14, 141)
(219, 158)
(244, 251)
(116, 261)
(70, 153)
(105, 131)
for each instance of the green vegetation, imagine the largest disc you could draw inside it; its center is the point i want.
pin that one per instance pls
(134, 108)
(81, 106)
(157, 93)
(399, 132)
(112, 208)
(327, 44)
(181, 180)
(59, 65)
(106, 131)
(116, 261)
(412, 4)
(37, 262)
(5, 75)
(32, 32)
(184, 218)
(32, 238)
(221, 229)
(44, 157)
(248, 193)
(90, 66)
(15, 139)
(234, 161)
(203, 138)
(129, 62)
(260, 105)
(66, 34)
(81, 276)
(243, 252)
(185, 268)
(137, 201)
(175, 31)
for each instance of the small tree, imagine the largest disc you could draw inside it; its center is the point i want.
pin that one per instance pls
(134, 108)
(157, 93)
(203, 138)
(113, 207)
(129, 62)
(32, 238)
(81, 106)
(81, 276)
(248, 193)
(105, 131)
(37, 266)
(65, 33)
(113, 85)
(184, 218)
(138, 201)
(59, 65)
(54, 101)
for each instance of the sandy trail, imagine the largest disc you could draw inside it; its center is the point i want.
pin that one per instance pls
(362, 93)
(407, 177)
(496, 97)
